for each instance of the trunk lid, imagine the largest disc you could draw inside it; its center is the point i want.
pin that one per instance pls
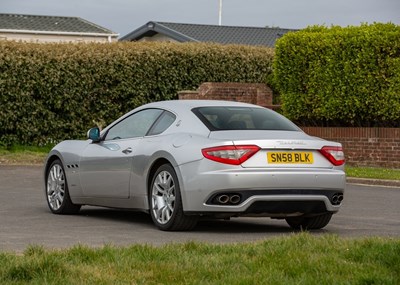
(280, 149)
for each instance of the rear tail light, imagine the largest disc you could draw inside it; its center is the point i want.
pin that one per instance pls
(230, 154)
(334, 154)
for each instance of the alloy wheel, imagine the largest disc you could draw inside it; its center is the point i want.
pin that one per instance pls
(56, 187)
(163, 197)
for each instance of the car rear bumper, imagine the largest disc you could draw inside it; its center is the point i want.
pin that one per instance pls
(267, 192)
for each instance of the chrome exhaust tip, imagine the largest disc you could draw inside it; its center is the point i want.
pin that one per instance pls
(234, 199)
(337, 199)
(223, 199)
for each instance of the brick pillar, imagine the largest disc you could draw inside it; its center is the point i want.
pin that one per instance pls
(254, 93)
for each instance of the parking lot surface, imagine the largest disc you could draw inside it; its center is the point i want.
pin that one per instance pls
(25, 219)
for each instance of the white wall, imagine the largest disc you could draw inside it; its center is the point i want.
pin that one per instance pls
(40, 38)
(157, 38)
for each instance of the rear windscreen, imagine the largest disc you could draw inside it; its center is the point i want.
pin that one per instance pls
(243, 118)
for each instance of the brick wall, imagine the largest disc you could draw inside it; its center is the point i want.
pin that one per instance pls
(364, 146)
(254, 93)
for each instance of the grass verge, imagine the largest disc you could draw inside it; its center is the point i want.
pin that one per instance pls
(23, 155)
(373, 173)
(297, 259)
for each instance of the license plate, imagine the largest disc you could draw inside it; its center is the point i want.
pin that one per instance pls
(284, 157)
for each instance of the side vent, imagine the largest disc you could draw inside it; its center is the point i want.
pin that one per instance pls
(72, 166)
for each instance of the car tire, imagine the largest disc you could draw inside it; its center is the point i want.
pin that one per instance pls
(309, 223)
(165, 202)
(57, 194)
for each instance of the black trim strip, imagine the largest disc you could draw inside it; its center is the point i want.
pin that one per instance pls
(246, 194)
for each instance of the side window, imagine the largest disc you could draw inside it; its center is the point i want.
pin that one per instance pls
(136, 125)
(162, 123)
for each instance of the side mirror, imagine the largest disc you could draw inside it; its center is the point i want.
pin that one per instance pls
(94, 134)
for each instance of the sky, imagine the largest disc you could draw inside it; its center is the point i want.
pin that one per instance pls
(124, 16)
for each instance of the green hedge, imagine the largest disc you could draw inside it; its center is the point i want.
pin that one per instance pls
(51, 92)
(340, 76)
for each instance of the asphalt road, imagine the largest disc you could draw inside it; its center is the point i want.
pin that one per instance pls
(25, 219)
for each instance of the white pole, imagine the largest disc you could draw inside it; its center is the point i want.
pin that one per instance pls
(220, 13)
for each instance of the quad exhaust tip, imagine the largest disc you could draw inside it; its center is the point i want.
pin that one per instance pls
(236, 199)
(228, 199)
(337, 199)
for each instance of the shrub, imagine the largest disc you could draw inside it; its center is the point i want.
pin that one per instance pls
(50, 92)
(340, 76)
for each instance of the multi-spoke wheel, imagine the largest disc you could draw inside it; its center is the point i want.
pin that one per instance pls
(165, 201)
(57, 190)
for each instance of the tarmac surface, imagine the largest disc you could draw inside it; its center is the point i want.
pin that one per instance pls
(26, 220)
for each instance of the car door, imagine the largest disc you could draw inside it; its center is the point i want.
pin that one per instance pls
(105, 166)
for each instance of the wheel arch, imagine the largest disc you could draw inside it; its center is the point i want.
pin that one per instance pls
(152, 170)
(177, 221)
(67, 206)
(51, 158)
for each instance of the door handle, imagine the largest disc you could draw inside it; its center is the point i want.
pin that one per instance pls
(127, 151)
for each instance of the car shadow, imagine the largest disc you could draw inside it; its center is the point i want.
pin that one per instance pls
(205, 225)
(116, 215)
(240, 225)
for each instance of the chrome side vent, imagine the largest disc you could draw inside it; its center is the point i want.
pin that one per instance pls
(72, 166)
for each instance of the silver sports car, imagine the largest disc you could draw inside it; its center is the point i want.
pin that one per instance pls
(182, 160)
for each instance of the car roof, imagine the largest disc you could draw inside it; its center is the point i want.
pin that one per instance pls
(190, 104)
(183, 109)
